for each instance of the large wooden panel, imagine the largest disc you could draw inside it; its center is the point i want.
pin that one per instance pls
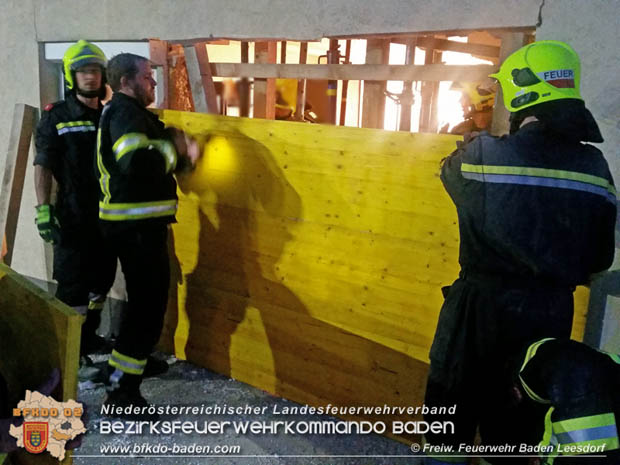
(309, 259)
(37, 334)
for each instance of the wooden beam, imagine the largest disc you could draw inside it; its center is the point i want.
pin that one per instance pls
(24, 122)
(430, 90)
(373, 106)
(244, 84)
(374, 72)
(406, 98)
(158, 50)
(300, 108)
(345, 87)
(511, 42)
(394, 37)
(265, 88)
(333, 57)
(206, 77)
(453, 46)
(435, 97)
(195, 79)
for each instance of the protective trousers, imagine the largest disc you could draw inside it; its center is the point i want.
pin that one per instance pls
(142, 251)
(85, 270)
(482, 325)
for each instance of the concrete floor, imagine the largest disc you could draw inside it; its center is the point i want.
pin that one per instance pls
(188, 385)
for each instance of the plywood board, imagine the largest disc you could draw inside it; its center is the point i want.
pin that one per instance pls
(37, 334)
(24, 121)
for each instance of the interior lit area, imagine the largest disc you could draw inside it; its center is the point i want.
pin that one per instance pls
(445, 112)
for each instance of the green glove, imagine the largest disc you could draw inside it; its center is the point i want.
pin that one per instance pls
(49, 227)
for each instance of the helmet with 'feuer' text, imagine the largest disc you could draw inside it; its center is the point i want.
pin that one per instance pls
(539, 72)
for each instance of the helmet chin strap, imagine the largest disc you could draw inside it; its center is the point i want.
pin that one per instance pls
(88, 93)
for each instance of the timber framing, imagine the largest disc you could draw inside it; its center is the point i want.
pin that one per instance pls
(258, 78)
(435, 72)
(446, 45)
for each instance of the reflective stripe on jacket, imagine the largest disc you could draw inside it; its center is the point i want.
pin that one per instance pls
(135, 161)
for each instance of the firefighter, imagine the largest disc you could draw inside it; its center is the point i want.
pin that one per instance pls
(477, 103)
(65, 145)
(536, 211)
(136, 159)
(579, 387)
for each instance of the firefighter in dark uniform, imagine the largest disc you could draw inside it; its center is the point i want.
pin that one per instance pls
(580, 388)
(65, 144)
(536, 211)
(136, 159)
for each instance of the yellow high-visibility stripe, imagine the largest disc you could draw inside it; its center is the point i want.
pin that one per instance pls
(531, 352)
(70, 124)
(127, 364)
(541, 173)
(104, 177)
(592, 421)
(136, 211)
(95, 305)
(133, 141)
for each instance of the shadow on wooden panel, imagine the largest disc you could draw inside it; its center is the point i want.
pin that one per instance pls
(235, 312)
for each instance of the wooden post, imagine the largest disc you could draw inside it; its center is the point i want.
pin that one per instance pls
(200, 78)
(511, 42)
(159, 56)
(430, 90)
(406, 98)
(373, 110)
(25, 120)
(300, 108)
(265, 89)
(333, 58)
(433, 120)
(195, 80)
(345, 87)
(244, 84)
(206, 76)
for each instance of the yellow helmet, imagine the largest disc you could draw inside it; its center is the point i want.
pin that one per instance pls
(80, 54)
(539, 72)
(480, 99)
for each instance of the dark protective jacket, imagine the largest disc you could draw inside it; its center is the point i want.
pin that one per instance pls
(536, 217)
(582, 388)
(532, 206)
(65, 143)
(135, 161)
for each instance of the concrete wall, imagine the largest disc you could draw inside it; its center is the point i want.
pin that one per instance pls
(59, 20)
(19, 78)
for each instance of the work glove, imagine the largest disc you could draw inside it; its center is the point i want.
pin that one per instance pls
(46, 221)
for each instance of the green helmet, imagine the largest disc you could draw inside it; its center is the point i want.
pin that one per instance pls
(539, 72)
(80, 54)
